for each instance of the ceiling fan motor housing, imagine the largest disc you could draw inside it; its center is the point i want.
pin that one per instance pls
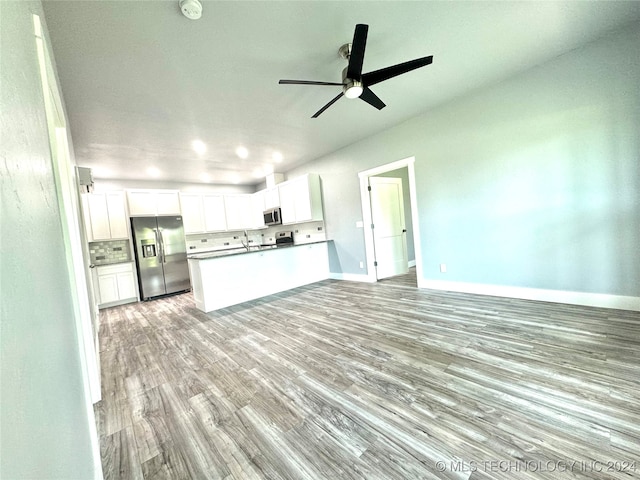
(352, 88)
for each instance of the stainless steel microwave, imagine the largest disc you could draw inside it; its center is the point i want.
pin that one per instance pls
(272, 217)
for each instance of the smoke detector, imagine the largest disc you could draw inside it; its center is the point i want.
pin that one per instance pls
(192, 9)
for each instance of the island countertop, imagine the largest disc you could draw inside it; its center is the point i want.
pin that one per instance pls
(244, 250)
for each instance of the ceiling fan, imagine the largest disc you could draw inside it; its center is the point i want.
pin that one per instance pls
(355, 84)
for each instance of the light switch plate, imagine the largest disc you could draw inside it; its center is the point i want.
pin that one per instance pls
(359, 224)
(443, 268)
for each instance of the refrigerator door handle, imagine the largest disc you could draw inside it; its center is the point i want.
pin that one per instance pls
(164, 256)
(160, 245)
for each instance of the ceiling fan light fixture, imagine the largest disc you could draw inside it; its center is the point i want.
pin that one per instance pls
(353, 89)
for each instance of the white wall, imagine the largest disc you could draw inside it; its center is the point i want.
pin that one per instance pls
(43, 412)
(530, 183)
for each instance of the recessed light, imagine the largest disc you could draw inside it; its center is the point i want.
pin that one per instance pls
(258, 173)
(242, 152)
(199, 146)
(205, 177)
(277, 157)
(153, 172)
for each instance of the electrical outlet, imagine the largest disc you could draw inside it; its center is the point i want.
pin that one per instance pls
(443, 268)
(361, 264)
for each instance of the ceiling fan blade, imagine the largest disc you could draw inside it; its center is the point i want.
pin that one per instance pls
(317, 114)
(372, 99)
(307, 82)
(354, 69)
(378, 76)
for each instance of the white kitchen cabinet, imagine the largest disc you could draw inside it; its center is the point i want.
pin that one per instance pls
(117, 215)
(203, 213)
(192, 213)
(105, 216)
(153, 202)
(168, 203)
(142, 202)
(126, 285)
(271, 198)
(97, 217)
(223, 281)
(287, 202)
(108, 288)
(215, 218)
(239, 210)
(257, 210)
(116, 284)
(301, 199)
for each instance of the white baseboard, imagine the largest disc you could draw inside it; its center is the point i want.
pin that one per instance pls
(353, 277)
(557, 296)
(412, 263)
(118, 302)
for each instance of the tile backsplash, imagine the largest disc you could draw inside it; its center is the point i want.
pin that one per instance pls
(302, 233)
(109, 251)
(310, 232)
(220, 241)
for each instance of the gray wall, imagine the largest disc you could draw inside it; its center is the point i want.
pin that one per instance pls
(44, 420)
(403, 174)
(532, 182)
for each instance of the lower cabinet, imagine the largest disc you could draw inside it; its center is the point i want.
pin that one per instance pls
(220, 282)
(116, 284)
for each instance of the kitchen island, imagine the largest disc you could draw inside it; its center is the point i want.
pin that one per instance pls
(224, 278)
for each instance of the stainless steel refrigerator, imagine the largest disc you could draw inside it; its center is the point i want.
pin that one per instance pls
(161, 255)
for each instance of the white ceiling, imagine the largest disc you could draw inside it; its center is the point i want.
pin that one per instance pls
(141, 81)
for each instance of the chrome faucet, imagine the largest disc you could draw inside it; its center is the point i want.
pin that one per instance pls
(245, 242)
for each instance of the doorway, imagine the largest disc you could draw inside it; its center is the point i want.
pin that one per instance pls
(390, 216)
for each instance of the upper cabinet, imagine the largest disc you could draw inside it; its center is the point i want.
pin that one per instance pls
(192, 212)
(105, 216)
(168, 203)
(240, 211)
(153, 202)
(215, 217)
(203, 213)
(271, 197)
(301, 199)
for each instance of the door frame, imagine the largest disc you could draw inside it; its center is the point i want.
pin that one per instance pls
(408, 162)
(74, 237)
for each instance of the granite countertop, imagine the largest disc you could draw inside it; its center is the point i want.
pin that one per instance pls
(243, 251)
(118, 262)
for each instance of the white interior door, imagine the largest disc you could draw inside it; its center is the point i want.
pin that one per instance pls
(389, 233)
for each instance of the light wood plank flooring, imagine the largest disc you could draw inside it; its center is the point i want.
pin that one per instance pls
(341, 380)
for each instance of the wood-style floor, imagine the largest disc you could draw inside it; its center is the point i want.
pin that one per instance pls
(341, 380)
